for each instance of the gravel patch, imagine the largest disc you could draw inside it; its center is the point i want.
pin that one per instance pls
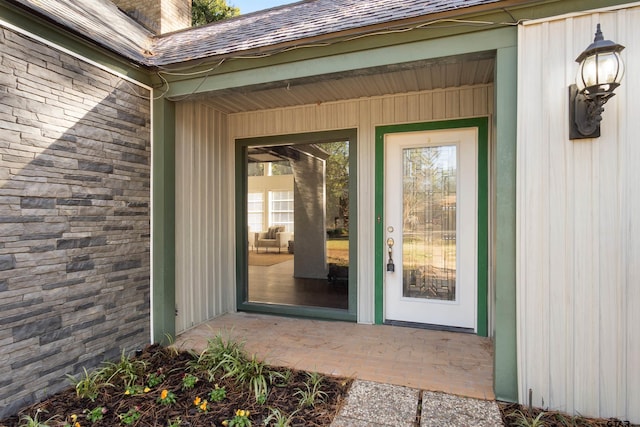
(446, 410)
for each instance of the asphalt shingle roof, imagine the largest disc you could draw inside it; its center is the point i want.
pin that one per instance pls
(98, 20)
(285, 24)
(105, 24)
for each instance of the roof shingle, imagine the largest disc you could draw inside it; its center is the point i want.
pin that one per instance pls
(102, 22)
(289, 23)
(98, 20)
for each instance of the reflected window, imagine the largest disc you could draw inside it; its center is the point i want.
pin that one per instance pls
(255, 209)
(281, 209)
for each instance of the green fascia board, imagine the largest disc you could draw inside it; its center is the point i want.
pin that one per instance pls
(350, 135)
(482, 124)
(31, 24)
(429, 49)
(163, 222)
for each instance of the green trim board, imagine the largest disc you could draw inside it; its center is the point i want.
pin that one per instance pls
(504, 154)
(374, 57)
(241, 224)
(163, 292)
(483, 216)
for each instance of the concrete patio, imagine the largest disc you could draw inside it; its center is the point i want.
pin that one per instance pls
(449, 362)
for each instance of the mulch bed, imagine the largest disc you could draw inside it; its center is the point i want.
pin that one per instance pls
(61, 407)
(517, 415)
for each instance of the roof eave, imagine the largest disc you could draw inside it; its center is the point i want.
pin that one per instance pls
(360, 32)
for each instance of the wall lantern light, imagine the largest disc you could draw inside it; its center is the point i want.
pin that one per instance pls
(599, 73)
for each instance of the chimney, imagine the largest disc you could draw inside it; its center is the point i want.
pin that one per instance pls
(159, 16)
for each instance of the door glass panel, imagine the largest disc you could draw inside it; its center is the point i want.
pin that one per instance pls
(298, 224)
(429, 223)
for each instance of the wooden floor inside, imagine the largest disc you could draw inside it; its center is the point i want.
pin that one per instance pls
(275, 284)
(450, 362)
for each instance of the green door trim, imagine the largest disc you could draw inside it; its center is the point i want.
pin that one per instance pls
(482, 124)
(242, 304)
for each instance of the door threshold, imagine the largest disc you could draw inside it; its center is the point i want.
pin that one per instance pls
(429, 326)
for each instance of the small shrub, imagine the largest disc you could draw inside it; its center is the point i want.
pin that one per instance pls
(189, 381)
(252, 373)
(87, 386)
(155, 378)
(277, 418)
(241, 419)
(96, 414)
(313, 394)
(130, 417)
(126, 369)
(28, 421)
(217, 394)
(166, 397)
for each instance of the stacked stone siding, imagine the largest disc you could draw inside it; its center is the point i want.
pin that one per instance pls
(159, 16)
(74, 218)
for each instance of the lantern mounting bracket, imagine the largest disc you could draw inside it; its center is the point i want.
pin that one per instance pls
(585, 114)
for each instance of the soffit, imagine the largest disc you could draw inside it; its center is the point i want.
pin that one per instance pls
(458, 71)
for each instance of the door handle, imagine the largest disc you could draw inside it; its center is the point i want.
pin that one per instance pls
(390, 266)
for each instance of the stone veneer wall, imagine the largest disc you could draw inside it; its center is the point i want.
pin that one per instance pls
(159, 16)
(74, 218)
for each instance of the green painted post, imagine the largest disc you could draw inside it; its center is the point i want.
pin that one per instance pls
(505, 358)
(163, 221)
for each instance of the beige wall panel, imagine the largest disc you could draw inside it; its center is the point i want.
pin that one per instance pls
(578, 228)
(364, 114)
(204, 239)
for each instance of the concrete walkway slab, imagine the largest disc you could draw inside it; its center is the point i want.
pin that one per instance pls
(370, 404)
(374, 404)
(447, 410)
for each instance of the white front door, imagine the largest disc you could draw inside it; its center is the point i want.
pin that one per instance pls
(431, 212)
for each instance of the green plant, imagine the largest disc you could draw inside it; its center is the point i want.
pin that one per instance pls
(130, 417)
(155, 378)
(189, 381)
(315, 378)
(520, 419)
(252, 373)
(87, 386)
(166, 397)
(28, 421)
(127, 369)
(240, 419)
(217, 394)
(174, 423)
(219, 350)
(280, 379)
(313, 393)
(277, 418)
(96, 414)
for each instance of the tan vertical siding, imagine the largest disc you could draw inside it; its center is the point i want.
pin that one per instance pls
(204, 232)
(578, 227)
